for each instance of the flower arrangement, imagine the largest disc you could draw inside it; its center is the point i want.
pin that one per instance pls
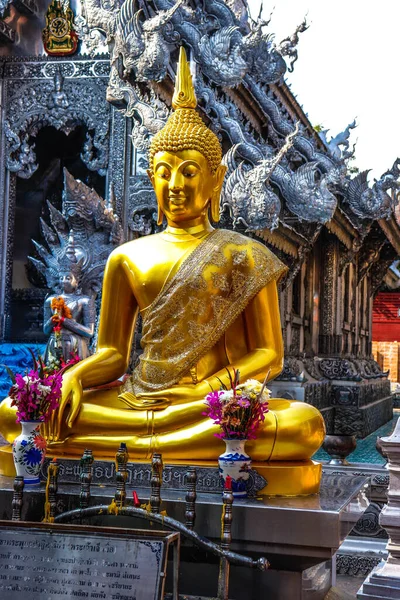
(56, 362)
(60, 313)
(37, 393)
(239, 410)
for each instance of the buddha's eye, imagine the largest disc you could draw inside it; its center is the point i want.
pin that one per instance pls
(163, 173)
(190, 172)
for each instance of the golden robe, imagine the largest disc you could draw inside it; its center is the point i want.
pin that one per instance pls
(200, 299)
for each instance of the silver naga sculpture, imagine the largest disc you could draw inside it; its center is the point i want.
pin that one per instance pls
(80, 240)
(230, 50)
(341, 139)
(374, 202)
(246, 190)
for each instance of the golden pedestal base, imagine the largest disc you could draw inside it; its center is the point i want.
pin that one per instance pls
(296, 478)
(7, 462)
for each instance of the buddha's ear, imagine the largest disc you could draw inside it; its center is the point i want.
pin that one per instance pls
(160, 215)
(215, 200)
(151, 175)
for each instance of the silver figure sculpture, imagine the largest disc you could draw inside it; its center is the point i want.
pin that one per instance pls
(80, 239)
(69, 336)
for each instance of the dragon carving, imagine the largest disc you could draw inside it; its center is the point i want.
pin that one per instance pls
(373, 202)
(287, 47)
(140, 40)
(140, 43)
(247, 194)
(308, 194)
(265, 62)
(341, 139)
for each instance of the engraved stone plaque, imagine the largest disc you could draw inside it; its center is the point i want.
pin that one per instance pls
(139, 475)
(52, 562)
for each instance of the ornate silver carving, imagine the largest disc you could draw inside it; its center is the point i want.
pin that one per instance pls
(96, 232)
(287, 47)
(374, 202)
(335, 143)
(142, 208)
(246, 192)
(3, 6)
(338, 368)
(292, 370)
(140, 41)
(307, 193)
(264, 60)
(64, 104)
(96, 25)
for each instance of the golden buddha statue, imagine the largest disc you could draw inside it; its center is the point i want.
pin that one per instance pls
(208, 299)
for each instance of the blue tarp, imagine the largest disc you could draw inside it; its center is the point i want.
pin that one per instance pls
(18, 358)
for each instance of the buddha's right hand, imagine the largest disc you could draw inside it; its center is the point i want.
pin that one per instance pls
(71, 395)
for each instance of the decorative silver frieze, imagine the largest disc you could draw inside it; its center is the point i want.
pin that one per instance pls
(140, 40)
(61, 103)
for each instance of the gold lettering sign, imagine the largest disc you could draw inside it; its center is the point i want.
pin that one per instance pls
(59, 36)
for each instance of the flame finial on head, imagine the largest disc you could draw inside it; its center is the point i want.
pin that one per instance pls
(184, 94)
(185, 129)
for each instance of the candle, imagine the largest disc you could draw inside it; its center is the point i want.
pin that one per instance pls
(228, 482)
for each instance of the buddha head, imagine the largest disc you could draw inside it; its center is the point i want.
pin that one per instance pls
(185, 159)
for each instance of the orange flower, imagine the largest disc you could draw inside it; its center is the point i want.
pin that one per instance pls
(58, 305)
(39, 442)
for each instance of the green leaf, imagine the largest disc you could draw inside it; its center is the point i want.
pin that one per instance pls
(223, 386)
(35, 364)
(10, 373)
(230, 376)
(41, 367)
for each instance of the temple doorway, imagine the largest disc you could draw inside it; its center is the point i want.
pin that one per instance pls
(54, 151)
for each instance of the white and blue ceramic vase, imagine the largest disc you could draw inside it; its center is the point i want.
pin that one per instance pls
(29, 451)
(237, 464)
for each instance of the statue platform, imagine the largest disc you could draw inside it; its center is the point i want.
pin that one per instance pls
(299, 535)
(272, 479)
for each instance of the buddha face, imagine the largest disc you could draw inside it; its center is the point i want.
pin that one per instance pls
(68, 282)
(185, 185)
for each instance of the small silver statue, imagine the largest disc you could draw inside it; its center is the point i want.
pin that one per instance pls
(80, 239)
(69, 318)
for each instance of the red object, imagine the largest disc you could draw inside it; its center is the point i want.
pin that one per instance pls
(228, 483)
(136, 501)
(386, 318)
